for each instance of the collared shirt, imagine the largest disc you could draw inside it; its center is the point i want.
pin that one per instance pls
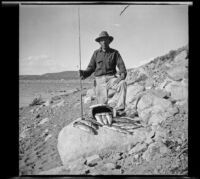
(104, 63)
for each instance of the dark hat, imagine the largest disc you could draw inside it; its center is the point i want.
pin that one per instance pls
(104, 34)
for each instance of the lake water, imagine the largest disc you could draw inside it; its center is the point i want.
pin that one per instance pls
(29, 89)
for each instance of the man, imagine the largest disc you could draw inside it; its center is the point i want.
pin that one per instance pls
(103, 63)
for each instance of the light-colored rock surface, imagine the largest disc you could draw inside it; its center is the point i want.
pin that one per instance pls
(177, 73)
(179, 91)
(91, 159)
(152, 109)
(106, 138)
(53, 171)
(132, 91)
(154, 151)
(137, 148)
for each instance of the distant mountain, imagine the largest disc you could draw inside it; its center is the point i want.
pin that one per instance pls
(66, 75)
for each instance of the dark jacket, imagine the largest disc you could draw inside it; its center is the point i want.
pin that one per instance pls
(104, 63)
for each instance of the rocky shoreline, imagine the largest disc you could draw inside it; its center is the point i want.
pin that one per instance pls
(156, 94)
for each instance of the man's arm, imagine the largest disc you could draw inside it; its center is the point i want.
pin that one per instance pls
(91, 67)
(121, 66)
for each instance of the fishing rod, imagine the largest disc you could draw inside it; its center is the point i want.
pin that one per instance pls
(80, 60)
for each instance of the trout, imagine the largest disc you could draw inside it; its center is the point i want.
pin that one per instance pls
(124, 125)
(89, 123)
(104, 118)
(94, 121)
(109, 119)
(124, 120)
(84, 127)
(99, 119)
(118, 129)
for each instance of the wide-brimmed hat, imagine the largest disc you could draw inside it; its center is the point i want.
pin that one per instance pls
(104, 34)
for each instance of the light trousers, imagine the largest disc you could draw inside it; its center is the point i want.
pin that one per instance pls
(104, 84)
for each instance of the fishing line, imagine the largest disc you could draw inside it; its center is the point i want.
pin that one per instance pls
(80, 59)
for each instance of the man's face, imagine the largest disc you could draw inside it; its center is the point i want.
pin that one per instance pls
(104, 42)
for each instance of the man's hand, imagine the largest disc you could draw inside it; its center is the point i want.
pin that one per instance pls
(81, 74)
(116, 81)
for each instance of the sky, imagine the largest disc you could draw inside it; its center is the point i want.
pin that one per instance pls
(49, 35)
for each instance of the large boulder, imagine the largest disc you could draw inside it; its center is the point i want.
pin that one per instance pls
(178, 90)
(155, 151)
(177, 73)
(153, 109)
(132, 91)
(74, 143)
(181, 57)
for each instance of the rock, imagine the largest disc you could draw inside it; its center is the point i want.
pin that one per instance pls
(164, 103)
(76, 164)
(149, 105)
(145, 102)
(132, 91)
(47, 137)
(32, 110)
(139, 147)
(179, 91)
(164, 83)
(92, 160)
(84, 144)
(45, 132)
(24, 133)
(160, 135)
(149, 84)
(177, 72)
(156, 119)
(117, 156)
(160, 93)
(47, 103)
(173, 110)
(43, 121)
(149, 136)
(180, 57)
(136, 75)
(155, 151)
(148, 141)
(110, 166)
(53, 171)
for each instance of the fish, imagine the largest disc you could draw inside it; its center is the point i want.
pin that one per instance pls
(130, 118)
(104, 118)
(89, 123)
(94, 121)
(84, 127)
(118, 129)
(123, 120)
(124, 125)
(99, 119)
(109, 119)
(131, 127)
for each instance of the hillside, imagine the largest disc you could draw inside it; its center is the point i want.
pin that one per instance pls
(156, 100)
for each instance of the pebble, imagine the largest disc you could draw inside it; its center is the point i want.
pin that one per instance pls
(92, 160)
(47, 137)
(137, 148)
(110, 165)
(43, 121)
